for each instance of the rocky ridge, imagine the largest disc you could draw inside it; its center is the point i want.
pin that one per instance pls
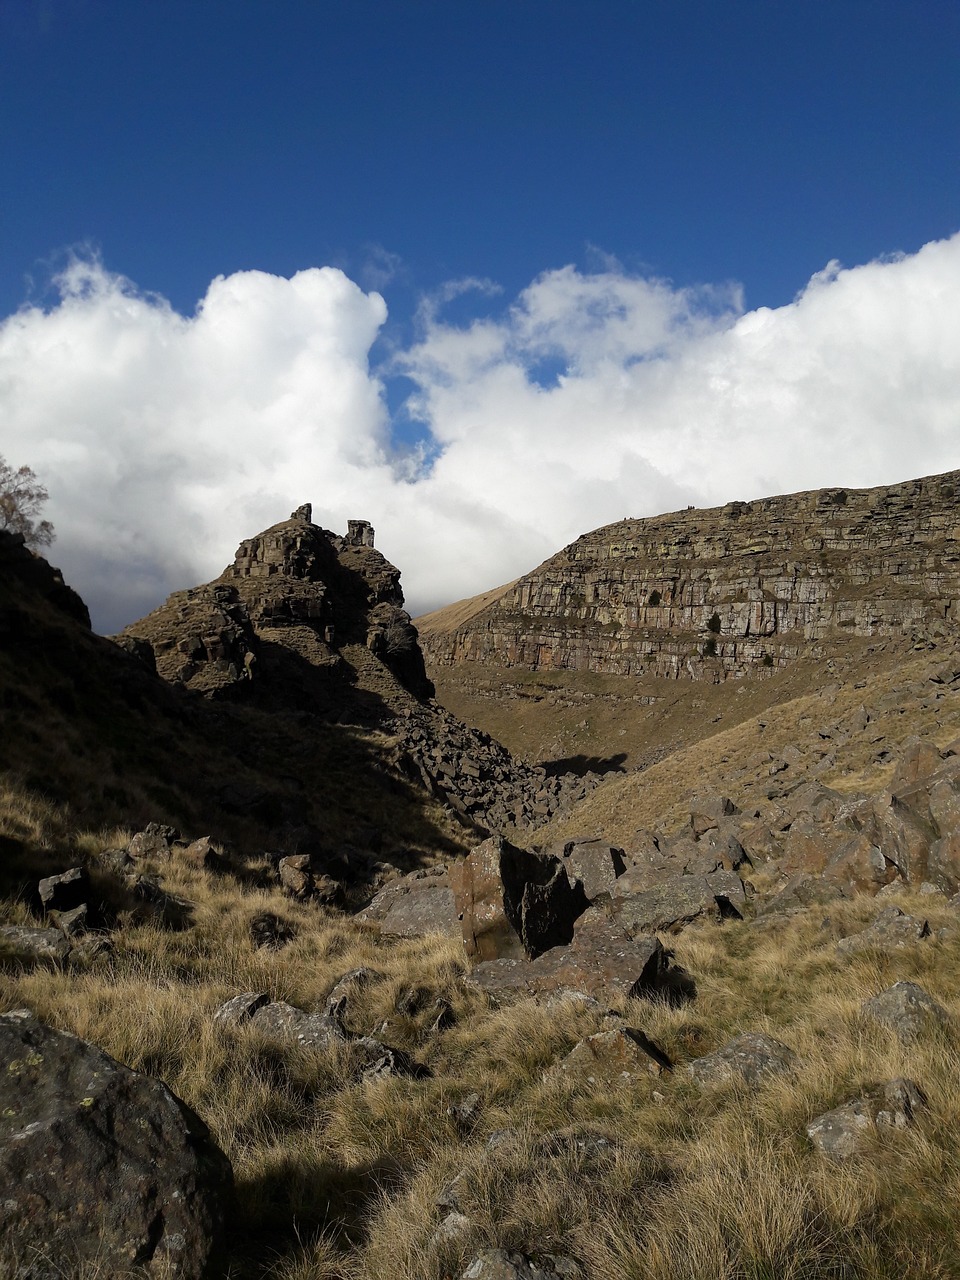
(730, 591)
(308, 620)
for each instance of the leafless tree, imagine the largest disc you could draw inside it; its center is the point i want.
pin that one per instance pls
(21, 498)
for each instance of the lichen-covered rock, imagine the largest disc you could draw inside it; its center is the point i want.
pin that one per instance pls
(415, 905)
(850, 1129)
(907, 1010)
(891, 930)
(601, 961)
(32, 946)
(497, 1264)
(100, 1164)
(751, 1056)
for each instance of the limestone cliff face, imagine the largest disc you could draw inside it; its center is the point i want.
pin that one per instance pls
(734, 590)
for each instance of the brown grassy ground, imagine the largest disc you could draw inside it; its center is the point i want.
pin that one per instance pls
(338, 1179)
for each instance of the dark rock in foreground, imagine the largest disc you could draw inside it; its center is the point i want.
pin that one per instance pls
(101, 1164)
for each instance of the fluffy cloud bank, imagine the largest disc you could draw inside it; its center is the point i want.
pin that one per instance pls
(164, 439)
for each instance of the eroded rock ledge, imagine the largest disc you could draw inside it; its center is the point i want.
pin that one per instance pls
(729, 591)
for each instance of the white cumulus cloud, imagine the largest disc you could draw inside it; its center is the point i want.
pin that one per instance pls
(164, 439)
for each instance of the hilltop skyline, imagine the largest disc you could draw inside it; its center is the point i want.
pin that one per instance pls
(489, 276)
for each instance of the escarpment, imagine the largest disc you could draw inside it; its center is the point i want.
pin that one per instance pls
(734, 590)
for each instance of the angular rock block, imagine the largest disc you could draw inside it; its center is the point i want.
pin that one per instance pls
(513, 902)
(100, 1164)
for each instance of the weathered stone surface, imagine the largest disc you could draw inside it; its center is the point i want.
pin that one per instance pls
(621, 1056)
(725, 592)
(751, 1056)
(415, 905)
(66, 891)
(201, 853)
(851, 1129)
(284, 1022)
(801, 890)
(155, 840)
(497, 1264)
(345, 988)
(907, 1010)
(593, 864)
(513, 902)
(100, 1165)
(602, 960)
(669, 906)
(240, 1009)
(72, 923)
(33, 945)
(296, 875)
(892, 930)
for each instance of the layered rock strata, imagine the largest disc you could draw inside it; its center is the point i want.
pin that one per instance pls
(709, 594)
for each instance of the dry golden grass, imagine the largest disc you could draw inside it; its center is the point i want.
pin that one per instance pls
(337, 1180)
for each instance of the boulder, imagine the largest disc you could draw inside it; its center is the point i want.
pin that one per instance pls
(65, 892)
(283, 1022)
(338, 999)
(202, 854)
(513, 902)
(907, 1010)
(891, 930)
(296, 875)
(155, 840)
(601, 961)
(33, 946)
(851, 1129)
(101, 1165)
(240, 1009)
(669, 906)
(497, 1264)
(415, 905)
(592, 864)
(617, 1057)
(752, 1056)
(801, 890)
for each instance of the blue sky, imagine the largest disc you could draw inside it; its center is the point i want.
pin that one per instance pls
(734, 148)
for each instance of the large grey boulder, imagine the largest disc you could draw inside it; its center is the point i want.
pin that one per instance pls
(907, 1010)
(601, 961)
(892, 930)
(618, 1057)
(752, 1056)
(100, 1164)
(415, 905)
(34, 946)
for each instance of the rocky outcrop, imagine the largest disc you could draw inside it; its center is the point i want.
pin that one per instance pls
(33, 576)
(297, 585)
(729, 591)
(100, 1165)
